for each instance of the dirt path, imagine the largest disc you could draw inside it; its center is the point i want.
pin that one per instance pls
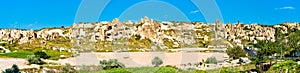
(8, 62)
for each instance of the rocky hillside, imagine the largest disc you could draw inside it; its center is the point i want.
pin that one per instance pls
(145, 35)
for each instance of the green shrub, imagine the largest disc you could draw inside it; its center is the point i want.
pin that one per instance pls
(34, 60)
(211, 60)
(111, 63)
(41, 54)
(137, 37)
(68, 69)
(15, 68)
(8, 71)
(156, 61)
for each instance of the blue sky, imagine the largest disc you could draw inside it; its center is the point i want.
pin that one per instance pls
(36, 14)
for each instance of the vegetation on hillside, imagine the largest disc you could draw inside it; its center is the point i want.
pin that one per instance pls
(170, 43)
(137, 43)
(283, 47)
(286, 66)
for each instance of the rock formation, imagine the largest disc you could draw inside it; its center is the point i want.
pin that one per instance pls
(182, 32)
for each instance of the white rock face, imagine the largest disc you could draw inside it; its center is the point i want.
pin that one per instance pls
(4, 50)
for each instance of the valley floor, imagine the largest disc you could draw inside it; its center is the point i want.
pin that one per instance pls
(130, 59)
(138, 59)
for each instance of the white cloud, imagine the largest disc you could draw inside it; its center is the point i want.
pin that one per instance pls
(14, 25)
(285, 8)
(30, 25)
(195, 11)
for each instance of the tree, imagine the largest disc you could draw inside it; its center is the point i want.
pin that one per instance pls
(156, 61)
(13, 69)
(236, 52)
(111, 63)
(266, 49)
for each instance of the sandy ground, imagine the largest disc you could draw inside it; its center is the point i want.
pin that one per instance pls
(8, 62)
(130, 59)
(137, 59)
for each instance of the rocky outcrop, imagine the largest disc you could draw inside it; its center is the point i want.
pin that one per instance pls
(183, 32)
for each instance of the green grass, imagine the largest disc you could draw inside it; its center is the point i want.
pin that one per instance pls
(132, 70)
(24, 54)
(86, 71)
(143, 69)
(26, 49)
(146, 70)
(236, 69)
(54, 55)
(21, 54)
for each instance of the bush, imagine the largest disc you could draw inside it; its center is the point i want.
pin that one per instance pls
(41, 54)
(211, 60)
(68, 69)
(34, 60)
(137, 37)
(8, 71)
(166, 70)
(13, 69)
(157, 61)
(111, 63)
